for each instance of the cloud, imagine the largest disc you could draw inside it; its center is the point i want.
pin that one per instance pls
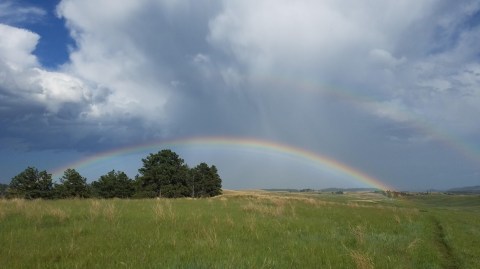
(17, 46)
(405, 70)
(23, 76)
(115, 87)
(190, 54)
(303, 36)
(342, 78)
(384, 58)
(33, 98)
(11, 12)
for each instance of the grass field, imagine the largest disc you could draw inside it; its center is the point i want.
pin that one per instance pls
(243, 230)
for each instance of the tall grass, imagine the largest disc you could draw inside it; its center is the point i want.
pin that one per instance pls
(236, 230)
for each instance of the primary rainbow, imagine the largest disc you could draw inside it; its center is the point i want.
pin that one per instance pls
(248, 143)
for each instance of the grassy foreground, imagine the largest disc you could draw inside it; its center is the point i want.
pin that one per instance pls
(243, 230)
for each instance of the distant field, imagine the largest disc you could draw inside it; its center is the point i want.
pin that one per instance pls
(243, 230)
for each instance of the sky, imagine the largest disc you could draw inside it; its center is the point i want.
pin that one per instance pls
(387, 89)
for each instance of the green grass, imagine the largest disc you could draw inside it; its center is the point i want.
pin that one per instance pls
(243, 230)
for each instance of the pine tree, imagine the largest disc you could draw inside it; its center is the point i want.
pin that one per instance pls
(113, 184)
(163, 174)
(72, 184)
(205, 181)
(31, 184)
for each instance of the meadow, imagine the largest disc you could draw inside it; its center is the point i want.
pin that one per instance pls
(243, 230)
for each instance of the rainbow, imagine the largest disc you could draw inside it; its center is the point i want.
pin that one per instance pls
(243, 143)
(469, 152)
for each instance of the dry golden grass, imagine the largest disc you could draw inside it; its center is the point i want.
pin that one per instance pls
(208, 236)
(362, 260)
(95, 209)
(31, 209)
(359, 233)
(413, 244)
(292, 211)
(364, 201)
(251, 225)
(102, 208)
(264, 209)
(109, 211)
(163, 210)
(229, 221)
(224, 201)
(3, 209)
(278, 199)
(58, 213)
(360, 200)
(19, 204)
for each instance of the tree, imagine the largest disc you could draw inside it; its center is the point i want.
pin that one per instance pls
(31, 184)
(114, 184)
(72, 184)
(205, 181)
(163, 174)
(3, 189)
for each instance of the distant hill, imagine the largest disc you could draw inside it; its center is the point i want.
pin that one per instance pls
(326, 190)
(282, 190)
(466, 190)
(349, 189)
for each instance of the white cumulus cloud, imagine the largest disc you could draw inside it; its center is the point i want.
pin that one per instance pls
(16, 47)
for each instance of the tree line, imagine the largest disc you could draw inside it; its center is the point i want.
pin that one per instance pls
(163, 174)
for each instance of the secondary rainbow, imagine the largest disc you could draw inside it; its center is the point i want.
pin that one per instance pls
(449, 141)
(242, 143)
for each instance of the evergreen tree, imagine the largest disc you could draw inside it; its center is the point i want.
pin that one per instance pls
(113, 184)
(31, 184)
(205, 181)
(3, 189)
(163, 174)
(72, 184)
